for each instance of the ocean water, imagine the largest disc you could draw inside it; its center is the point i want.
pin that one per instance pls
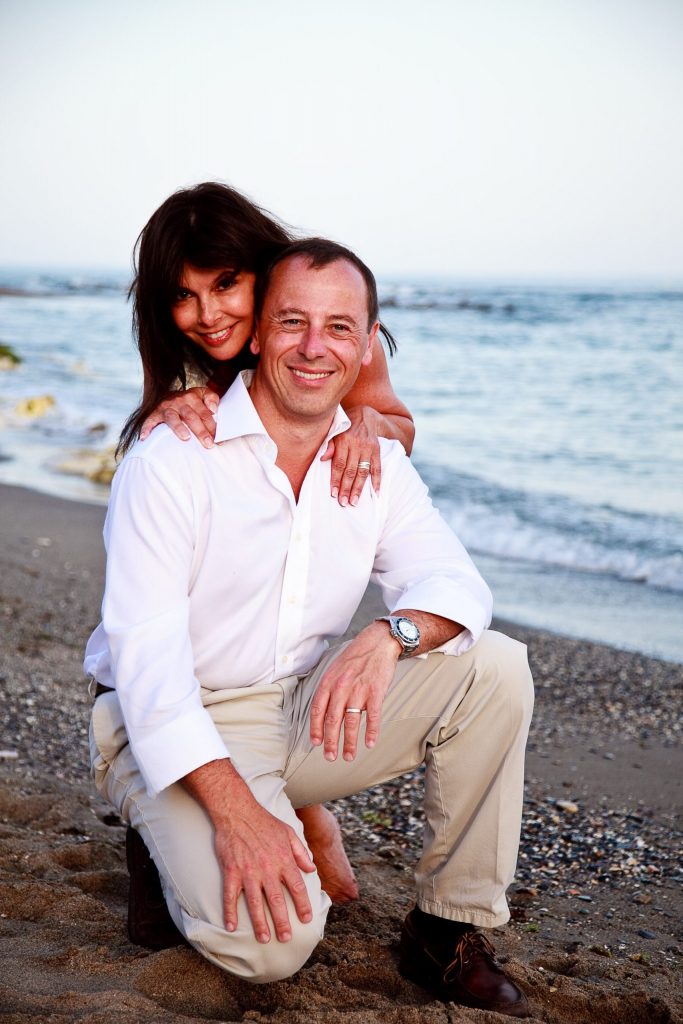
(549, 428)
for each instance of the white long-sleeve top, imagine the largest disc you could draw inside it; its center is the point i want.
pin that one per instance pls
(217, 577)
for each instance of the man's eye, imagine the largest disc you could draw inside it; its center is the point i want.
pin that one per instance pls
(340, 328)
(292, 321)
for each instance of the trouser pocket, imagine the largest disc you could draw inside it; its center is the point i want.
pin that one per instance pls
(107, 737)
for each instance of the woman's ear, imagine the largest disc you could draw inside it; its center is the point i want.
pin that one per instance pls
(254, 343)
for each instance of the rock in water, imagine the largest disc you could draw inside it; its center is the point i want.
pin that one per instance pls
(93, 465)
(8, 358)
(35, 407)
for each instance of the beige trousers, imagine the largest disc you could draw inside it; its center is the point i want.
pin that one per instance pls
(466, 717)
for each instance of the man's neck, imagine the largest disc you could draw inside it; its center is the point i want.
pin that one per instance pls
(297, 439)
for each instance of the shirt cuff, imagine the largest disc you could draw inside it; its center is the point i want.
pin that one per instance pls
(171, 751)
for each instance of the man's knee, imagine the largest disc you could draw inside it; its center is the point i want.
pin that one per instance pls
(258, 962)
(502, 663)
(274, 961)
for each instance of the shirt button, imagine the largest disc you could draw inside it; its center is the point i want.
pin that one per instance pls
(285, 659)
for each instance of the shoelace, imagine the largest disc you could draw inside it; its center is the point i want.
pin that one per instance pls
(470, 944)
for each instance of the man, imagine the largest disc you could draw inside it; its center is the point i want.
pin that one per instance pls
(228, 571)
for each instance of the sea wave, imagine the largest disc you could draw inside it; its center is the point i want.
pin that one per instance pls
(550, 305)
(554, 530)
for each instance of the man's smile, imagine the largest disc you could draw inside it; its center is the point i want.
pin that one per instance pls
(310, 375)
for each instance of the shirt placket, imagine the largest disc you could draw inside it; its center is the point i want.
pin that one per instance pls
(290, 627)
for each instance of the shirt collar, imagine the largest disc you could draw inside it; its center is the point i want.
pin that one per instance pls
(237, 417)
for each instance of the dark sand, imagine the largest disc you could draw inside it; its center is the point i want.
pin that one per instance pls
(596, 932)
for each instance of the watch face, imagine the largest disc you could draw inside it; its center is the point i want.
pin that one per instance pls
(408, 630)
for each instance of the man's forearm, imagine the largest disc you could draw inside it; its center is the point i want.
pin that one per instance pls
(258, 853)
(220, 789)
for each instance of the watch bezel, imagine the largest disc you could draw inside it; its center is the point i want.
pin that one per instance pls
(400, 619)
(407, 643)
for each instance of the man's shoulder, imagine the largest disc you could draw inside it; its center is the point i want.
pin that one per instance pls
(165, 456)
(162, 447)
(395, 462)
(391, 451)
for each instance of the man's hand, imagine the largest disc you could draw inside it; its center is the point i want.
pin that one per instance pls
(259, 854)
(358, 678)
(186, 413)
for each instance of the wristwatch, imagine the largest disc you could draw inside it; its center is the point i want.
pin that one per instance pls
(404, 630)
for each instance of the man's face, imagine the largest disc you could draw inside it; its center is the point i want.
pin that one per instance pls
(312, 337)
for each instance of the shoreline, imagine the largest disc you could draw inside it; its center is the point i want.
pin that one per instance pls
(596, 902)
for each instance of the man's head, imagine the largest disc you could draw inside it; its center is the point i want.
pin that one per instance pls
(316, 321)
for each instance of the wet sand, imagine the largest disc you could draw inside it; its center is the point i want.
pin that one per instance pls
(596, 932)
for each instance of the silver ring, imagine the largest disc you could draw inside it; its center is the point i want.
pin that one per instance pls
(364, 465)
(353, 711)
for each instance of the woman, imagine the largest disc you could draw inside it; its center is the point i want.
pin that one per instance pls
(197, 261)
(213, 227)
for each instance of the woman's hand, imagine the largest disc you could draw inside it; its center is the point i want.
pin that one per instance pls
(350, 450)
(186, 413)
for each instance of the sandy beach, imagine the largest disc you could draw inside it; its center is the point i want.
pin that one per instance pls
(596, 927)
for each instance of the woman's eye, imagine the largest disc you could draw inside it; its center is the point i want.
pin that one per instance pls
(181, 295)
(227, 282)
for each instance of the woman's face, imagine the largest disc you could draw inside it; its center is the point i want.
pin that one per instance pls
(215, 309)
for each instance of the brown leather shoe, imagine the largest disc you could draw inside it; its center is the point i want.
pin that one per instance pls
(467, 974)
(149, 922)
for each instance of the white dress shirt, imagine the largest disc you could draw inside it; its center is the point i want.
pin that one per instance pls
(217, 577)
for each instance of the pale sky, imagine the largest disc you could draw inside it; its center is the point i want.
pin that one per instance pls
(494, 138)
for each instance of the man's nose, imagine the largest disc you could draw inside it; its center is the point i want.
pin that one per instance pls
(312, 343)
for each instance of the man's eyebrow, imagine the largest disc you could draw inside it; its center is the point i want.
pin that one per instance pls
(289, 311)
(342, 316)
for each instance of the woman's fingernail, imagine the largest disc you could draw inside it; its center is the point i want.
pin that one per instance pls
(354, 500)
(335, 492)
(344, 502)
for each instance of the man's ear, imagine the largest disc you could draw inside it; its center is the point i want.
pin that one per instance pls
(372, 337)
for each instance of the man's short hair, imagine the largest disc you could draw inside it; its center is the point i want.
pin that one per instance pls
(320, 252)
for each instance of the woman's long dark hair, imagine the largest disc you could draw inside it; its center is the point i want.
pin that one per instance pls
(210, 226)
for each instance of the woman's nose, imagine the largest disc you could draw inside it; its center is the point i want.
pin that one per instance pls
(208, 310)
